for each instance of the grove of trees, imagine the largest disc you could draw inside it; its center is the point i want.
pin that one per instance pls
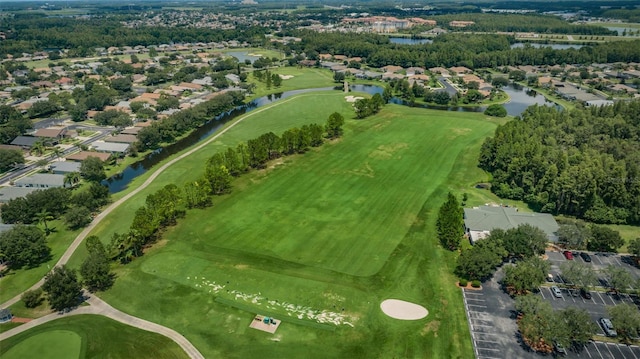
(583, 163)
(480, 261)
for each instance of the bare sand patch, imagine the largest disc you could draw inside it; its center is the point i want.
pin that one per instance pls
(286, 77)
(400, 309)
(353, 98)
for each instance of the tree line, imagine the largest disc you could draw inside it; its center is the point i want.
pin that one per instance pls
(81, 36)
(584, 163)
(177, 124)
(163, 208)
(457, 49)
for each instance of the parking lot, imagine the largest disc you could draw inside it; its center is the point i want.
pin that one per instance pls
(491, 314)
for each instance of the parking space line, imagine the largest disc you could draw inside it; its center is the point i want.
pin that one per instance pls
(476, 299)
(586, 348)
(598, 349)
(487, 341)
(490, 349)
(482, 325)
(472, 292)
(600, 295)
(607, 346)
(486, 357)
(620, 350)
(542, 293)
(631, 350)
(597, 258)
(617, 260)
(476, 305)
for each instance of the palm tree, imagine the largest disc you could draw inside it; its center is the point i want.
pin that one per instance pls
(71, 178)
(38, 148)
(57, 151)
(42, 217)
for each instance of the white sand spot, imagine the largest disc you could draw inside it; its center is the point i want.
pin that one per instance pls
(286, 77)
(399, 309)
(353, 98)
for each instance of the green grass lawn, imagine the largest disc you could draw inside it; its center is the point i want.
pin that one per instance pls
(88, 336)
(19, 280)
(303, 78)
(334, 231)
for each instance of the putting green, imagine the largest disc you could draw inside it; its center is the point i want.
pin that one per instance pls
(55, 344)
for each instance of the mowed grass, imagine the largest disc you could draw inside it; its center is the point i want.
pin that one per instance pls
(60, 344)
(338, 229)
(88, 336)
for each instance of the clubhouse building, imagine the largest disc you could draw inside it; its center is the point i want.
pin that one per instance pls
(479, 221)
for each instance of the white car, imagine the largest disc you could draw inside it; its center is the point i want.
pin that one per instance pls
(607, 326)
(556, 292)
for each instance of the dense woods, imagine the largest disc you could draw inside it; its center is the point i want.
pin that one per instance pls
(583, 163)
(36, 32)
(458, 49)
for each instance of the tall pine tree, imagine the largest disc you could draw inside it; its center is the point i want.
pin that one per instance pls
(450, 223)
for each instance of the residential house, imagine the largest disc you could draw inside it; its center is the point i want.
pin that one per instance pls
(83, 155)
(111, 147)
(121, 139)
(9, 193)
(41, 180)
(25, 142)
(64, 167)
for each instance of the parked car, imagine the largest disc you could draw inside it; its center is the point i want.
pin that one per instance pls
(560, 349)
(585, 256)
(607, 326)
(556, 292)
(568, 255)
(585, 293)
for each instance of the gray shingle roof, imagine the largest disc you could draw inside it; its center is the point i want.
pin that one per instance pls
(486, 218)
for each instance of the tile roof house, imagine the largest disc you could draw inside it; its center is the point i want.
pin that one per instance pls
(83, 155)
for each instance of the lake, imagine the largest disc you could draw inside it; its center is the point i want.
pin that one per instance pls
(409, 41)
(242, 56)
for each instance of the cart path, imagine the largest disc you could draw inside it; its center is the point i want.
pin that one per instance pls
(100, 307)
(76, 243)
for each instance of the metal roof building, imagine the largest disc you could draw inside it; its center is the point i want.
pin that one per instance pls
(479, 221)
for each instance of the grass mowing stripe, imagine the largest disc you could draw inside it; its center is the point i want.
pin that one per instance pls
(344, 226)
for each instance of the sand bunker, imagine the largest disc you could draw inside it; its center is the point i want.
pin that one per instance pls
(286, 77)
(353, 98)
(399, 309)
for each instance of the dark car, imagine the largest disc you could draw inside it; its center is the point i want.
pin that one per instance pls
(585, 256)
(585, 293)
(568, 255)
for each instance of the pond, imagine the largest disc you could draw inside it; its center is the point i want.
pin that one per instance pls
(621, 30)
(409, 41)
(521, 98)
(242, 56)
(538, 45)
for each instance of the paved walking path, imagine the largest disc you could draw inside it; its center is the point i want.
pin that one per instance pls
(97, 305)
(100, 307)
